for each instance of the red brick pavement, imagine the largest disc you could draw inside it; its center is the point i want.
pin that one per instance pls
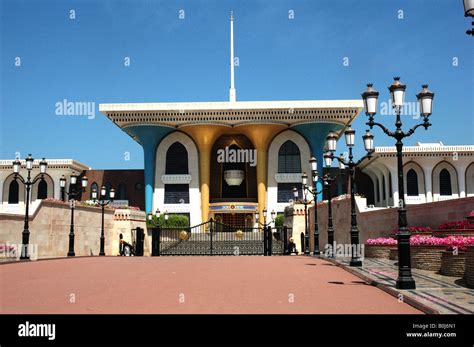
(293, 284)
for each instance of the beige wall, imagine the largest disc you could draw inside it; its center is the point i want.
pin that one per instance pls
(376, 223)
(50, 224)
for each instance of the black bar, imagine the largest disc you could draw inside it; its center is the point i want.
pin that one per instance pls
(211, 231)
(270, 239)
(335, 329)
(265, 242)
(302, 242)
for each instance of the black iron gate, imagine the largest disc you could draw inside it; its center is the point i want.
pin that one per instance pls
(215, 238)
(138, 238)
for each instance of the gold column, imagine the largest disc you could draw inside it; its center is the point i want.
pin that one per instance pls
(204, 136)
(261, 136)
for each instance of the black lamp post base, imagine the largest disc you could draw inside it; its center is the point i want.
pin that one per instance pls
(355, 263)
(102, 254)
(25, 257)
(317, 253)
(71, 254)
(405, 283)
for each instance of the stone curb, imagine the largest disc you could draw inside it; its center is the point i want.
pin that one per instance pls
(393, 292)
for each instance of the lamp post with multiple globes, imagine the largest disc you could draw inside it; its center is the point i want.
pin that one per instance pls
(27, 183)
(425, 99)
(103, 201)
(72, 194)
(351, 164)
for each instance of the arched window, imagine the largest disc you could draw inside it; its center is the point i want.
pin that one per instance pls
(13, 193)
(390, 190)
(378, 190)
(412, 183)
(96, 187)
(122, 191)
(445, 183)
(42, 189)
(384, 192)
(289, 160)
(177, 160)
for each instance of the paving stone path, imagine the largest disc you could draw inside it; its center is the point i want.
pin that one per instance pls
(444, 294)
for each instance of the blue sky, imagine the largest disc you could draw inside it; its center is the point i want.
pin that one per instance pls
(173, 59)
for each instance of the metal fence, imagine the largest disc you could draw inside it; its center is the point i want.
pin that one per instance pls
(215, 238)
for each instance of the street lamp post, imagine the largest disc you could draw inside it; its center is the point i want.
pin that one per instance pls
(72, 196)
(469, 12)
(27, 183)
(328, 179)
(425, 99)
(266, 229)
(369, 147)
(304, 180)
(315, 175)
(156, 230)
(103, 202)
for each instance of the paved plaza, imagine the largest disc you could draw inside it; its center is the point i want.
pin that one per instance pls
(240, 284)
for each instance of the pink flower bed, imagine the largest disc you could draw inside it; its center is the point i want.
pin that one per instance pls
(450, 242)
(382, 241)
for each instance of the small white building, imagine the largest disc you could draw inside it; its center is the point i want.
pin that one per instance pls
(432, 172)
(13, 192)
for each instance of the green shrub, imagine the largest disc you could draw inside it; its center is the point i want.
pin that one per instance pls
(174, 221)
(279, 220)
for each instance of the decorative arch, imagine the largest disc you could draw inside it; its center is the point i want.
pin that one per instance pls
(287, 180)
(35, 188)
(373, 178)
(469, 179)
(453, 180)
(6, 190)
(379, 174)
(191, 178)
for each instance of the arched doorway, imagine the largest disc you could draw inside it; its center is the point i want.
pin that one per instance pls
(233, 194)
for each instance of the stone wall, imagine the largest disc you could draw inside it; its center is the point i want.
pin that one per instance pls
(50, 225)
(374, 223)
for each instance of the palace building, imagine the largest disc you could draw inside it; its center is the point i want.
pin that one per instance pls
(182, 141)
(229, 160)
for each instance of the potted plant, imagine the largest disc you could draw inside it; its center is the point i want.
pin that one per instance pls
(379, 247)
(453, 260)
(426, 252)
(469, 264)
